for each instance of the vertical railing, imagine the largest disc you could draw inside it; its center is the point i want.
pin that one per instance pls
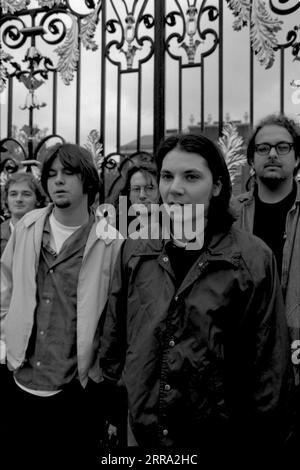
(220, 66)
(103, 74)
(159, 73)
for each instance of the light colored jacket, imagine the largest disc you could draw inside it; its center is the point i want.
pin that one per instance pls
(19, 265)
(290, 275)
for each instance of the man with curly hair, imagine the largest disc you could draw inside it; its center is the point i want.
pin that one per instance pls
(271, 210)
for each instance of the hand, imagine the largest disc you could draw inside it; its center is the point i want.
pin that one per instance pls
(2, 352)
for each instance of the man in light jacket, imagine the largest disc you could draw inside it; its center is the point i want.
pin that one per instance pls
(55, 273)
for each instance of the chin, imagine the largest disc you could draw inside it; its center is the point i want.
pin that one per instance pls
(62, 204)
(272, 180)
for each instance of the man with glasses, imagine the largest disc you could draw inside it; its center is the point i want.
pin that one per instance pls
(271, 210)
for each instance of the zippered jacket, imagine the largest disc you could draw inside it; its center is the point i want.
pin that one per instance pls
(244, 204)
(206, 362)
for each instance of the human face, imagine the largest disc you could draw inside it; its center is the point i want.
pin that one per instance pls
(64, 186)
(20, 199)
(185, 178)
(274, 168)
(143, 190)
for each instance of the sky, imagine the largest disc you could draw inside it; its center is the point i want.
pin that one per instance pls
(236, 84)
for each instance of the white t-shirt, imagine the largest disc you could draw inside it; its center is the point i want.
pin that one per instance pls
(59, 233)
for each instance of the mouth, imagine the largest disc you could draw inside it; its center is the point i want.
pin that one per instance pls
(272, 165)
(174, 203)
(60, 193)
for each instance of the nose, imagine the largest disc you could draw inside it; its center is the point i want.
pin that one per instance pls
(59, 178)
(176, 186)
(273, 152)
(19, 197)
(142, 195)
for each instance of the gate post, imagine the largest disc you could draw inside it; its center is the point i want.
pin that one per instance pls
(159, 73)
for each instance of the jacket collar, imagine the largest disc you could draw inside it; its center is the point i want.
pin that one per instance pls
(248, 197)
(32, 216)
(222, 247)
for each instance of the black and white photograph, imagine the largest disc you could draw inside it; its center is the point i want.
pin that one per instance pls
(150, 233)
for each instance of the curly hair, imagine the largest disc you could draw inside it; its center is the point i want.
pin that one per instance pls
(276, 120)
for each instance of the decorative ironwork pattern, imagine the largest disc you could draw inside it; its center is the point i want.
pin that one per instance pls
(133, 33)
(128, 23)
(192, 34)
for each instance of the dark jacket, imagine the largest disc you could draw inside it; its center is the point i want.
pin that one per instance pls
(244, 205)
(207, 362)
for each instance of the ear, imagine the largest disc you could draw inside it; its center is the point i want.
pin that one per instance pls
(217, 188)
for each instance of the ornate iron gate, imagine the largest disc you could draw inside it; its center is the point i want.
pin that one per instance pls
(148, 46)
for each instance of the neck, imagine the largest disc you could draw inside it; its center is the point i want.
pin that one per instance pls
(14, 219)
(275, 193)
(71, 217)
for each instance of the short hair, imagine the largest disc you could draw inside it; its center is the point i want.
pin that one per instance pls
(275, 120)
(80, 161)
(33, 184)
(220, 216)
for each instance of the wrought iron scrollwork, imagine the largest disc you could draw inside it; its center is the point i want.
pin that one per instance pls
(287, 7)
(264, 28)
(12, 35)
(291, 6)
(193, 39)
(52, 28)
(130, 41)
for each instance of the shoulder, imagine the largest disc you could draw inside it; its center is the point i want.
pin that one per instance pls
(33, 216)
(141, 247)
(4, 226)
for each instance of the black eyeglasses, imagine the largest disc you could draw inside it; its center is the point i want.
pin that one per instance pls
(282, 148)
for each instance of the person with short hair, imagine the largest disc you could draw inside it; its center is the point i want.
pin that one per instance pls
(55, 273)
(195, 332)
(22, 193)
(271, 211)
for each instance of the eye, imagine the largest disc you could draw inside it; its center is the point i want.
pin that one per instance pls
(12, 194)
(165, 177)
(263, 148)
(68, 171)
(283, 147)
(192, 177)
(51, 173)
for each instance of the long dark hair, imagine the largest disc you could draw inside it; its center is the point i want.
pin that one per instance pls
(219, 215)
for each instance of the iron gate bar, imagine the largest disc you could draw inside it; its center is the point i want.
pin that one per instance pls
(281, 80)
(78, 88)
(103, 75)
(202, 104)
(10, 107)
(220, 66)
(251, 83)
(159, 73)
(54, 102)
